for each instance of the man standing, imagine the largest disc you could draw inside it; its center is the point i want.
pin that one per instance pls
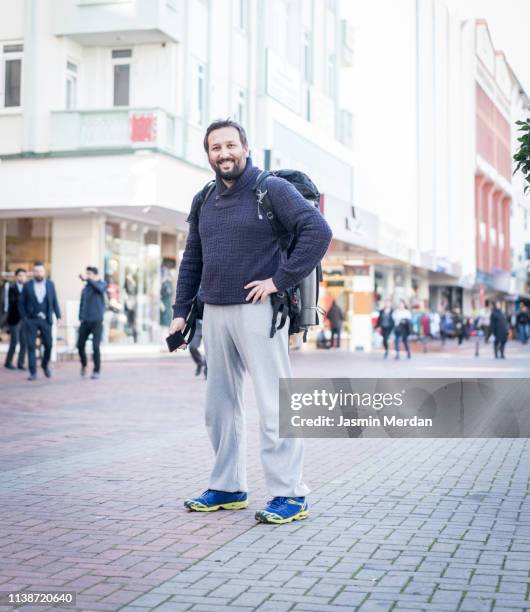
(38, 302)
(385, 321)
(91, 313)
(14, 321)
(198, 358)
(233, 254)
(335, 318)
(499, 329)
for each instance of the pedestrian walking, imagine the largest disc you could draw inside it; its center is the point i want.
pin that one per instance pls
(91, 313)
(523, 324)
(38, 303)
(499, 327)
(402, 327)
(458, 325)
(233, 254)
(194, 346)
(385, 322)
(130, 288)
(447, 327)
(14, 321)
(336, 318)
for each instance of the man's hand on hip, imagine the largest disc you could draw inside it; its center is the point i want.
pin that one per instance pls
(261, 290)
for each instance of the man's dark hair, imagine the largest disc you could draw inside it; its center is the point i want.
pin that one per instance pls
(38, 263)
(19, 270)
(224, 123)
(92, 269)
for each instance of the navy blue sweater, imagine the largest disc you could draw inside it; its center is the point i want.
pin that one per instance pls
(92, 306)
(233, 243)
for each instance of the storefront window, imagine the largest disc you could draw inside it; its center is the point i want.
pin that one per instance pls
(23, 241)
(132, 260)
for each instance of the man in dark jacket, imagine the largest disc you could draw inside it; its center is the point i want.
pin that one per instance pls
(14, 322)
(385, 321)
(233, 254)
(335, 318)
(38, 303)
(91, 312)
(499, 329)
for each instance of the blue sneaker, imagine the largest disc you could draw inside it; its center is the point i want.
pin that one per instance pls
(283, 510)
(211, 500)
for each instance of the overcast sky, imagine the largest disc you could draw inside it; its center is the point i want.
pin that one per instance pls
(509, 25)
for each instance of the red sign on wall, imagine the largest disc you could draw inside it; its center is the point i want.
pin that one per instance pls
(143, 128)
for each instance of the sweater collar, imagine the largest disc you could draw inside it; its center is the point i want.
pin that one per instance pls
(248, 176)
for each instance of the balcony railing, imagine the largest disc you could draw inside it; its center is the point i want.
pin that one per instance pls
(126, 128)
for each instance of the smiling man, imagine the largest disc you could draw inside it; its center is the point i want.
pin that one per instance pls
(234, 256)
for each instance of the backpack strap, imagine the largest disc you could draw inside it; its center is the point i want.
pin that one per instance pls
(203, 197)
(280, 304)
(265, 203)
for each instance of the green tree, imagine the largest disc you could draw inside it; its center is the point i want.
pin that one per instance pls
(522, 157)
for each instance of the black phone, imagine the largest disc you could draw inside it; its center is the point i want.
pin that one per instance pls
(174, 341)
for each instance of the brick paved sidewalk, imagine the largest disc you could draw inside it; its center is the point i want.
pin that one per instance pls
(93, 473)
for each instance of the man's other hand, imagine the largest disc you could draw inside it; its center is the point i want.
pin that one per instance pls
(261, 290)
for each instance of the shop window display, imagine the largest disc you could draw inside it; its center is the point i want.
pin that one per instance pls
(132, 260)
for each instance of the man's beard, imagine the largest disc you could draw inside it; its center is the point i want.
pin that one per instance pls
(233, 174)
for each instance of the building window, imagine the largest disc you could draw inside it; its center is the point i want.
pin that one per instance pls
(121, 76)
(345, 128)
(11, 75)
(24, 240)
(308, 104)
(241, 14)
(71, 85)
(330, 75)
(308, 58)
(198, 94)
(482, 231)
(241, 107)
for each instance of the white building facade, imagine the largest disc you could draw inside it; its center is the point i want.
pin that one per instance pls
(420, 143)
(103, 107)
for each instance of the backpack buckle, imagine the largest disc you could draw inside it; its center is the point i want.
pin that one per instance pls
(261, 194)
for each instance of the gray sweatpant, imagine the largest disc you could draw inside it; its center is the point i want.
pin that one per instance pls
(236, 339)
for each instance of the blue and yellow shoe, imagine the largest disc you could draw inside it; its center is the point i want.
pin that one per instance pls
(284, 510)
(211, 500)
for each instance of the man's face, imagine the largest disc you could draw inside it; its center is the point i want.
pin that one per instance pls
(21, 278)
(90, 275)
(226, 154)
(39, 272)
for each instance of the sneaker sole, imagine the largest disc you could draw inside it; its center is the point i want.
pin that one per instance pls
(261, 518)
(194, 507)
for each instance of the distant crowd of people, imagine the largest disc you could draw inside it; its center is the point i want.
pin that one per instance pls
(401, 322)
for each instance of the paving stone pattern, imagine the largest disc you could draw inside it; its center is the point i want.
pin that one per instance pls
(93, 473)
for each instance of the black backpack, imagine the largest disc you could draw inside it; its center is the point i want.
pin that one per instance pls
(300, 302)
